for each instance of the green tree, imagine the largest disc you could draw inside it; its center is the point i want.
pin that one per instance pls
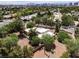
(58, 25)
(3, 32)
(30, 24)
(73, 48)
(49, 13)
(48, 42)
(77, 33)
(7, 44)
(37, 21)
(65, 9)
(38, 14)
(35, 41)
(32, 33)
(17, 25)
(1, 15)
(62, 36)
(14, 26)
(67, 20)
(18, 52)
(75, 18)
(10, 41)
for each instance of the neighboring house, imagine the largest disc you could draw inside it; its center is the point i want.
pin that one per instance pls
(14, 15)
(76, 23)
(69, 14)
(5, 22)
(28, 29)
(70, 31)
(41, 31)
(42, 13)
(76, 13)
(28, 17)
(7, 16)
(52, 11)
(49, 33)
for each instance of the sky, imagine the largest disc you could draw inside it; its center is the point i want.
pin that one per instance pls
(23, 2)
(39, 0)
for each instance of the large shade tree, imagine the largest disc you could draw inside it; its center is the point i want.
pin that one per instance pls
(10, 48)
(67, 20)
(73, 48)
(16, 25)
(62, 36)
(7, 44)
(35, 41)
(48, 42)
(10, 41)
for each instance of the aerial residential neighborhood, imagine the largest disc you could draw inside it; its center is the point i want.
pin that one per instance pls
(45, 30)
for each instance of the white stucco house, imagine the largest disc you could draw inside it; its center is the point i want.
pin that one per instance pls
(28, 17)
(7, 16)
